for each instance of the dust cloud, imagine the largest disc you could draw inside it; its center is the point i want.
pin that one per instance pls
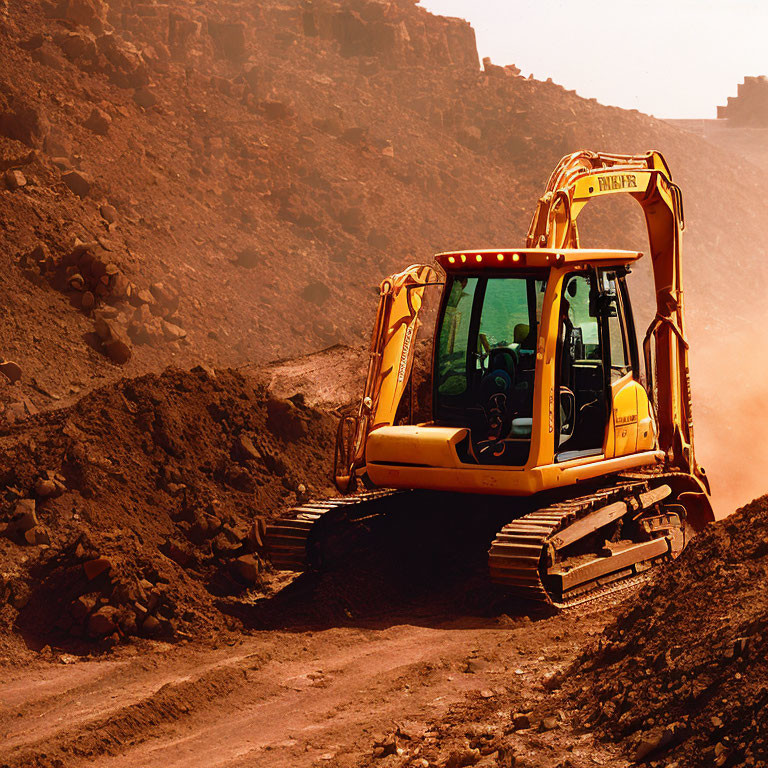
(730, 389)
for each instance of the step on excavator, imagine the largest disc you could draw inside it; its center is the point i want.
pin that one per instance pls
(538, 401)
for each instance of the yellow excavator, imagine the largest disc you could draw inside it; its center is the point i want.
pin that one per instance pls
(537, 399)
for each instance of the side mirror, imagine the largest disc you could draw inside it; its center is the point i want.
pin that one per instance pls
(567, 415)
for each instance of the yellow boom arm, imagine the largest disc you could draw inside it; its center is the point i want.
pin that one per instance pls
(584, 175)
(389, 368)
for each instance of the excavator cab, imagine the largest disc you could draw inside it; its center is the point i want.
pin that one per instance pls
(485, 361)
(536, 378)
(485, 358)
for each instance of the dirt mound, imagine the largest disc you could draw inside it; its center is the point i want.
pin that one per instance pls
(683, 675)
(133, 511)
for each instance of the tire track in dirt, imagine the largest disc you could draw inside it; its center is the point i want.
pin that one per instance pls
(287, 697)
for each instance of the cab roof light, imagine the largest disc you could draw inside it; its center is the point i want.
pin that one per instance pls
(463, 257)
(500, 256)
(451, 259)
(479, 258)
(515, 257)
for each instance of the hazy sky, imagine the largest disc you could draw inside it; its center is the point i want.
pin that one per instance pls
(668, 58)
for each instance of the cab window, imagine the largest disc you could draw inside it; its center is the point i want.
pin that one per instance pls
(453, 341)
(617, 333)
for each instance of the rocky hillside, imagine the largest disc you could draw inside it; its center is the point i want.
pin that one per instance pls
(228, 181)
(750, 105)
(682, 676)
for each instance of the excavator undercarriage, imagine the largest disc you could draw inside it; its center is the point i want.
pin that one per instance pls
(562, 552)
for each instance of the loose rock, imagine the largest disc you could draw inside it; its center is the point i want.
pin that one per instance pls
(15, 179)
(79, 182)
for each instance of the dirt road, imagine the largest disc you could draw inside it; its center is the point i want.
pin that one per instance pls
(276, 698)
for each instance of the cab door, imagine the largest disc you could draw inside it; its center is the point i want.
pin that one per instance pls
(625, 390)
(582, 380)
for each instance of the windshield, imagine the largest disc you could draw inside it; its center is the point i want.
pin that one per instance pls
(485, 361)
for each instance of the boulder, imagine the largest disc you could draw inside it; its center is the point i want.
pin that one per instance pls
(144, 98)
(248, 258)
(284, 419)
(356, 136)
(80, 183)
(165, 295)
(245, 450)
(108, 213)
(77, 46)
(96, 566)
(273, 109)
(15, 179)
(32, 43)
(352, 220)
(39, 536)
(173, 332)
(520, 721)
(88, 13)
(25, 516)
(82, 607)
(126, 66)
(11, 370)
(316, 292)
(76, 282)
(98, 122)
(151, 625)
(62, 163)
(25, 123)
(45, 488)
(229, 39)
(149, 331)
(182, 34)
(118, 350)
(141, 296)
(248, 567)
(116, 344)
(102, 622)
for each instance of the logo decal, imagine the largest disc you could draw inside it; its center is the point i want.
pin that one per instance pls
(404, 356)
(619, 181)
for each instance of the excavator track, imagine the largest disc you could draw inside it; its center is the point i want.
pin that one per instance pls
(293, 542)
(539, 556)
(532, 556)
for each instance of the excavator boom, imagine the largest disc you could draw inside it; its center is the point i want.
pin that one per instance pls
(579, 178)
(389, 367)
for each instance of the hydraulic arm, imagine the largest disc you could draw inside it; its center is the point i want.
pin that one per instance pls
(585, 175)
(389, 367)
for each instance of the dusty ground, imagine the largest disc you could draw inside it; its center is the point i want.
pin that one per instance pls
(290, 696)
(401, 657)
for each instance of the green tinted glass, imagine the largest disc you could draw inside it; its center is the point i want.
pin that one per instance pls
(454, 337)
